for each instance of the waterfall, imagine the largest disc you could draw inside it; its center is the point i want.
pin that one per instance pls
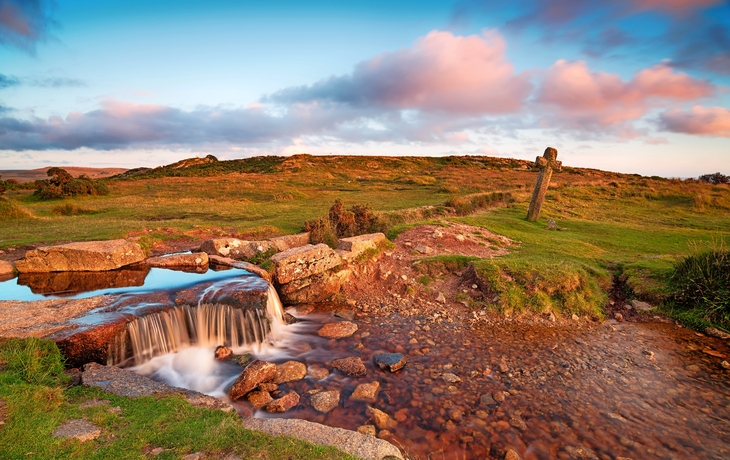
(204, 325)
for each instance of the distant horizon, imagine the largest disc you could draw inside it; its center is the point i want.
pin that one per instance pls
(635, 86)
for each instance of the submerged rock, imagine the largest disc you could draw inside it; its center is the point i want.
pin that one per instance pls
(337, 330)
(255, 373)
(390, 361)
(367, 392)
(380, 419)
(91, 256)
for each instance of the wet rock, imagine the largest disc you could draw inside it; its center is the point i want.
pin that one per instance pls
(356, 245)
(303, 262)
(367, 429)
(366, 392)
(487, 400)
(725, 364)
(518, 423)
(456, 415)
(244, 359)
(511, 454)
(77, 429)
(448, 377)
(222, 352)
(325, 401)
(351, 366)
(345, 314)
(641, 306)
(498, 396)
(256, 372)
(284, 403)
(380, 419)
(290, 371)
(7, 270)
(717, 333)
(181, 261)
(91, 256)
(259, 398)
(390, 361)
(268, 386)
(337, 330)
(317, 372)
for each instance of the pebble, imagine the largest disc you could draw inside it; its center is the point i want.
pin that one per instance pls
(448, 377)
(498, 396)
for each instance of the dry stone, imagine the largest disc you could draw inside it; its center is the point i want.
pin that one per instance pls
(7, 270)
(325, 401)
(194, 260)
(641, 306)
(90, 256)
(283, 243)
(77, 429)
(290, 371)
(356, 245)
(316, 288)
(227, 247)
(256, 372)
(304, 262)
(337, 330)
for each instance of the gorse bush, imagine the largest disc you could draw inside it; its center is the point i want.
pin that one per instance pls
(716, 178)
(701, 282)
(343, 223)
(61, 184)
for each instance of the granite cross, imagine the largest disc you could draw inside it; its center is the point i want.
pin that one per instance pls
(547, 163)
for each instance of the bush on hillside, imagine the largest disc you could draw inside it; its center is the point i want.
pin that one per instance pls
(716, 178)
(702, 282)
(343, 223)
(61, 184)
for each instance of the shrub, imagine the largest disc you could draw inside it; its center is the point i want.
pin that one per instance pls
(320, 231)
(716, 178)
(342, 220)
(702, 282)
(2, 186)
(61, 184)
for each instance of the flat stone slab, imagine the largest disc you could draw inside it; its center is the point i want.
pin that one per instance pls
(249, 267)
(357, 444)
(303, 262)
(126, 383)
(356, 245)
(194, 260)
(91, 256)
(282, 243)
(44, 318)
(77, 429)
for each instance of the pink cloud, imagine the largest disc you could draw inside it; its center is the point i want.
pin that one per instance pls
(12, 18)
(440, 72)
(706, 121)
(578, 95)
(673, 6)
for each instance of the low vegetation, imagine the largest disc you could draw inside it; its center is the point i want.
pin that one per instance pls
(61, 184)
(35, 400)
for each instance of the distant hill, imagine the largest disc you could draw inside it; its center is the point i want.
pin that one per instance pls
(30, 175)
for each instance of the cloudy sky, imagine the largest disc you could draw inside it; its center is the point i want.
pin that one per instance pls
(636, 86)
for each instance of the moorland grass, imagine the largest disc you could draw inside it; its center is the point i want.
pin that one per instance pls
(35, 401)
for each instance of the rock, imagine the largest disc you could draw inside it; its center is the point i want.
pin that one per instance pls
(351, 366)
(228, 262)
(511, 454)
(303, 262)
(77, 429)
(7, 270)
(367, 392)
(518, 423)
(380, 419)
(390, 361)
(222, 352)
(725, 364)
(194, 456)
(337, 330)
(325, 401)
(717, 333)
(283, 243)
(366, 429)
(642, 306)
(423, 249)
(259, 398)
(315, 288)
(345, 314)
(90, 256)
(290, 371)
(486, 400)
(618, 316)
(194, 260)
(498, 396)
(357, 444)
(356, 245)
(628, 307)
(448, 377)
(284, 403)
(244, 359)
(460, 238)
(268, 386)
(441, 298)
(456, 415)
(256, 372)
(228, 247)
(575, 317)
(317, 372)
(75, 376)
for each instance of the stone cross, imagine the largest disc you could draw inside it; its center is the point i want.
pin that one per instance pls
(547, 163)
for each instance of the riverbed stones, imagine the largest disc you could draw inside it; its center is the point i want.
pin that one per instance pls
(390, 361)
(317, 372)
(290, 371)
(351, 366)
(325, 401)
(367, 392)
(511, 454)
(486, 400)
(357, 245)
(284, 403)
(196, 260)
(380, 419)
(90, 256)
(256, 372)
(338, 330)
(259, 399)
(449, 377)
(77, 429)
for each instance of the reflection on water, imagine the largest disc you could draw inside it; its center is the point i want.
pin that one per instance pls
(76, 285)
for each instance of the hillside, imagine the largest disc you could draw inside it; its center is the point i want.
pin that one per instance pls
(30, 175)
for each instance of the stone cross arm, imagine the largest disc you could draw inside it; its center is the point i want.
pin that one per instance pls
(549, 160)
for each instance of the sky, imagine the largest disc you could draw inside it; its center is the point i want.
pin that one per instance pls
(634, 86)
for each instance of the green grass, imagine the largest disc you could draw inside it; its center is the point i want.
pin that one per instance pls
(36, 402)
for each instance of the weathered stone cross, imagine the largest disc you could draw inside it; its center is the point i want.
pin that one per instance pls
(547, 163)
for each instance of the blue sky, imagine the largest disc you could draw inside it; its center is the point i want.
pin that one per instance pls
(627, 85)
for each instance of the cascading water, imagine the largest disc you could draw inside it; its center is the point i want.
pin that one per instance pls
(205, 325)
